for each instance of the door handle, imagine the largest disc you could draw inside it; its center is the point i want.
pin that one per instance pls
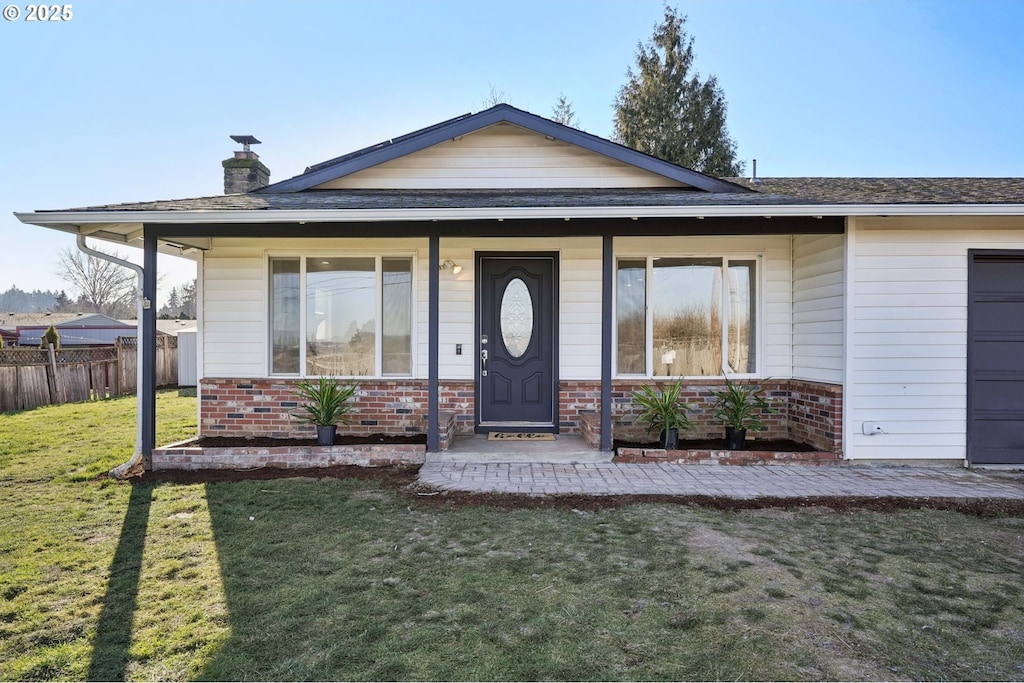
(483, 362)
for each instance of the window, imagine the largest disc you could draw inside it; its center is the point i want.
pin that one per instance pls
(347, 316)
(686, 316)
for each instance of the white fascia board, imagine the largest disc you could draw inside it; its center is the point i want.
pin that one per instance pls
(60, 220)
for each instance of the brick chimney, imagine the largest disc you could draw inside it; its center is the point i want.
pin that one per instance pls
(244, 172)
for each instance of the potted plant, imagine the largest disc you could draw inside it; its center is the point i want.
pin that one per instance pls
(326, 403)
(663, 411)
(739, 407)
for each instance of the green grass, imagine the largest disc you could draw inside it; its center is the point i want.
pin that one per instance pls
(347, 580)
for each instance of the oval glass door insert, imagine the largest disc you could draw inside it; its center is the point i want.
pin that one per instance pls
(516, 318)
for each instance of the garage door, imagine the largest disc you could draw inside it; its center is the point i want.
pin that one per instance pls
(995, 358)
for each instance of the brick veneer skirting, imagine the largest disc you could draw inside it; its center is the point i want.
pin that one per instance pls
(809, 412)
(192, 455)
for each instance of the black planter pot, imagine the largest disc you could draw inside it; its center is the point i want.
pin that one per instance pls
(735, 439)
(325, 434)
(673, 439)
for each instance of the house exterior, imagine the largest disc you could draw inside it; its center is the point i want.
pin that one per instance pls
(502, 271)
(75, 329)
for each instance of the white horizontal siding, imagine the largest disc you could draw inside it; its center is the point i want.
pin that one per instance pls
(234, 331)
(818, 301)
(908, 365)
(501, 156)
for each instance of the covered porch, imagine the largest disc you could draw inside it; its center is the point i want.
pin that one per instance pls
(440, 399)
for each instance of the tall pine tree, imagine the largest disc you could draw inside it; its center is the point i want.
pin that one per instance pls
(666, 110)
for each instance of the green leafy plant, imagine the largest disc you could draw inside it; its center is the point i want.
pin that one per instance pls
(741, 406)
(326, 401)
(662, 410)
(51, 336)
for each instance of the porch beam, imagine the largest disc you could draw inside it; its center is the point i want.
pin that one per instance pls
(146, 345)
(521, 227)
(607, 320)
(433, 296)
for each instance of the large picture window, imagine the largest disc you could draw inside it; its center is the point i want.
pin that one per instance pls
(341, 316)
(686, 316)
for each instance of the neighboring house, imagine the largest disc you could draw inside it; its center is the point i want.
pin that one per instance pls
(78, 329)
(501, 271)
(75, 329)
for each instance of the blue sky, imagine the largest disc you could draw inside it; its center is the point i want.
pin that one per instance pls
(133, 101)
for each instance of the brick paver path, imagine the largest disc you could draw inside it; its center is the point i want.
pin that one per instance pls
(761, 481)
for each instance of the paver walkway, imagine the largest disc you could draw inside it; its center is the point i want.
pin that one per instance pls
(760, 481)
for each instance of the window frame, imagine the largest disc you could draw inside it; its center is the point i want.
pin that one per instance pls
(726, 257)
(378, 361)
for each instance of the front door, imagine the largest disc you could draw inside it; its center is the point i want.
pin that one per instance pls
(517, 386)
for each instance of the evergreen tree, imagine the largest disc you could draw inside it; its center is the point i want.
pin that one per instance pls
(187, 299)
(562, 113)
(62, 302)
(666, 110)
(51, 336)
(14, 300)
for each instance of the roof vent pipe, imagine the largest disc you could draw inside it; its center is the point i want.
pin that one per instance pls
(131, 467)
(753, 178)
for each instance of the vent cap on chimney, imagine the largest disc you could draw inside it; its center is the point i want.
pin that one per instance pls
(244, 172)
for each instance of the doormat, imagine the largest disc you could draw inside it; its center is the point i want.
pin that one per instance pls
(520, 436)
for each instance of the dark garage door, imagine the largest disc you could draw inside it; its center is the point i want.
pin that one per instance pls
(995, 358)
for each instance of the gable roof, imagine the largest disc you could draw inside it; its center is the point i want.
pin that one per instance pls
(12, 321)
(394, 148)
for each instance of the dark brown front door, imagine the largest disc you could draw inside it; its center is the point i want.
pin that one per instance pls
(995, 358)
(517, 387)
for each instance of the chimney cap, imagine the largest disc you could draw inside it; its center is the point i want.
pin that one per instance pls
(245, 139)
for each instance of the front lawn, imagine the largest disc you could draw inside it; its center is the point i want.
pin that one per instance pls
(349, 579)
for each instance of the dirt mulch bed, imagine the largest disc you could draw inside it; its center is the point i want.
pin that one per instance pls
(780, 446)
(403, 480)
(339, 440)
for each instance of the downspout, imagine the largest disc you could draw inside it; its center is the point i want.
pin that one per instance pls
(129, 468)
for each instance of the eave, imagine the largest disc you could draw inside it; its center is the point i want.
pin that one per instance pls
(113, 224)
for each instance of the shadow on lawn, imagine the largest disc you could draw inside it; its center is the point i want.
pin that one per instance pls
(114, 629)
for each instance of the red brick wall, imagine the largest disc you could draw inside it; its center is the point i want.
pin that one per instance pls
(816, 414)
(459, 398)
(809, 412)
(696, 393)
(232, 407)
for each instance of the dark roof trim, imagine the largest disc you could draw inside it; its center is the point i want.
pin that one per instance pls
(526, 228)
(470, 123)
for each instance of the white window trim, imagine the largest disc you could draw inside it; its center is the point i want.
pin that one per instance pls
(726, 256)
(378, 256)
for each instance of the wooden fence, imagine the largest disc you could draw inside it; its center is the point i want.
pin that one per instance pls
(30, 378)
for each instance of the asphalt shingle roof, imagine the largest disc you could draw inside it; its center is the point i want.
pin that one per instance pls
(894, 190)
(769, 192)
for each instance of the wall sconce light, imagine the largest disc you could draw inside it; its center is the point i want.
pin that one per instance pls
(450, 265)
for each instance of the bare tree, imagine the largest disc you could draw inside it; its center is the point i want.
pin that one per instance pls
(496, 96)
(101, 286)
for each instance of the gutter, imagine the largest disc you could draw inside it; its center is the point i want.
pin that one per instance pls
(134, 464)
(78, 218)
